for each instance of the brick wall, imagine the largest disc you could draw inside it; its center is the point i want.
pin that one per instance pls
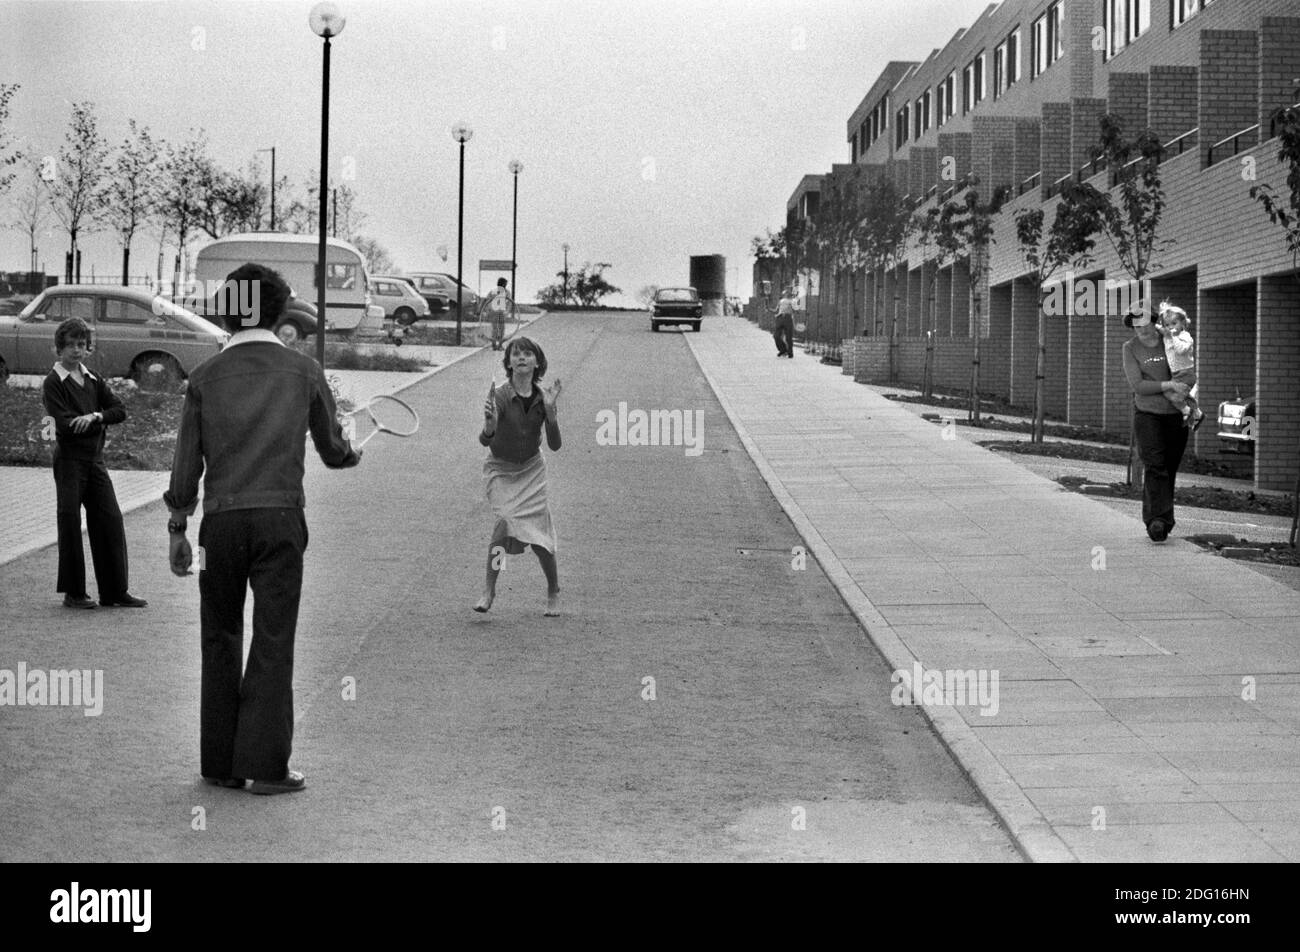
(1229, 87)
(943, 303)
(1085, 130)
(1127, 98)
(993, 153)
(1117, 398)
(1024, 341)
(1173, 100)
(1056, 386)
(1087, 343)
(1027, 143)
(995, 355)
(915, 310)
(960, 307)
(1055, 142)
(1277, 450)
(1279, 65)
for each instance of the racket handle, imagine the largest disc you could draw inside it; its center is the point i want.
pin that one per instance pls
(367, 439)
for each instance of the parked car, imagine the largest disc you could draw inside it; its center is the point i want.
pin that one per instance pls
(296, 323)
(1237, 426)
(676, 306)
(136, 333)
(427, 282)
(400, 300)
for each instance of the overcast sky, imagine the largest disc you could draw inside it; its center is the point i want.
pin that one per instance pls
(648, 131)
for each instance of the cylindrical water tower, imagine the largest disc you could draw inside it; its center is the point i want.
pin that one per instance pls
(709, 277)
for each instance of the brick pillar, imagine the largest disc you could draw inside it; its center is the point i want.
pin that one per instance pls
(1081, 18)
(1277, 449)
(1027, 149)
(916, 184)
(1229, 87)
(926, 159)
(1279, 65)
(1085, 130)
(958, 146)
(943, 303)
(1086, 367)
(1024, 341)
(1225, 350)
(1056, 386)
(915, 307)
(1173, 100)
(898, 168)
(960, 307)
(927, 295)
(1127, 97)
(1055, 143)
(993, 153)
(868, 326)
(900, 299)
(1117, 399)
(888, 304)
(995, 352)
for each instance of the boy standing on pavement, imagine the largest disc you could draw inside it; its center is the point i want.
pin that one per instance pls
(245, 413)
(83, 407)
(497, 306)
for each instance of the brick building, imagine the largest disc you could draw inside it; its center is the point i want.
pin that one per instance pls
(1014, 100)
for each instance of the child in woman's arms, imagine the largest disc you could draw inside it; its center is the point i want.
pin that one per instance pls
(1180, 351)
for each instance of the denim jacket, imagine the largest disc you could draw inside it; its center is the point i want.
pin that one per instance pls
(245, 415)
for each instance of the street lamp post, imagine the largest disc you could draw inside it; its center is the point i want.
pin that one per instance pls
(515, 168)
(462, 133)
(325, 21)
(272, 151)
(566, 274)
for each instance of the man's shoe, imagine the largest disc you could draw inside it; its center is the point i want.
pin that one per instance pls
(125, 600)
(78, 601)
(293, 781)
(234, 783)
(1157, 531)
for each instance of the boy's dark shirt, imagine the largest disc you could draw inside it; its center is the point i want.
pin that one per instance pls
(65, 401)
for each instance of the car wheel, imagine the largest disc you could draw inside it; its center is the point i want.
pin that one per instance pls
(156, 372)
(4, 372)
(404, 316)
(289, 333)
(696, 327)
(654, 326)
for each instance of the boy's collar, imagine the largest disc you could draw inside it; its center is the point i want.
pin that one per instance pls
(64, 373)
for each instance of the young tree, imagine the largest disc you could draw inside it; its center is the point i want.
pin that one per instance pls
(8, 155)
(31, 203)
(131, 190)
(885, 223)
(1068, 244)
(76, 180)
(935, 227)
(646, 294)
(1286, 214)
(378, 260)
(587, 286)
(180, 209)
(1132, 225)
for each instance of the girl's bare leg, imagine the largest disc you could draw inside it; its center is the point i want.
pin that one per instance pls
(552, 572)
(496, 552)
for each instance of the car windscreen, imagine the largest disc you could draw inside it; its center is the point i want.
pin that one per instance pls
(675, 294)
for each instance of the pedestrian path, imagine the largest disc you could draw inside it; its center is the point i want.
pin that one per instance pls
(1143, 701)
(27, 492)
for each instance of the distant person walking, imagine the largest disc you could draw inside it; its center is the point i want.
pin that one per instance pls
(514, 416)
(242, 426)
(783, 330)
(1157, 424)
(83, 407)
(496, 307)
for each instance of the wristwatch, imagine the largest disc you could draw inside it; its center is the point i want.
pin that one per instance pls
(174, 526)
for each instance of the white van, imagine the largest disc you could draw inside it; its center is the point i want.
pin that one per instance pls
(348, 307)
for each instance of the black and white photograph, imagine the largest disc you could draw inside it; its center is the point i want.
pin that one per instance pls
(731, 431)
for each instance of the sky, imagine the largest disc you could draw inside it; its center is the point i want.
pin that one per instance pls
(649, 130)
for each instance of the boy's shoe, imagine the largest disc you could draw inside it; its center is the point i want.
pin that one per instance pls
(125, 600)
(78, 601)
(1157, 531)
(232, 783)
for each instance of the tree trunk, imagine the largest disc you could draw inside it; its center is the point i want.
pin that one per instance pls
(126, 264)
(974, 414)
(1040, 371)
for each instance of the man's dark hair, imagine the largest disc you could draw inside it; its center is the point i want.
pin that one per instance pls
(253, 296)
(74, 328)
(502, 282)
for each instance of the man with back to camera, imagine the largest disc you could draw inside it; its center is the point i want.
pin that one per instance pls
(245, 414)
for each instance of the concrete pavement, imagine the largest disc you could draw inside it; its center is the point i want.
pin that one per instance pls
(1148, 697)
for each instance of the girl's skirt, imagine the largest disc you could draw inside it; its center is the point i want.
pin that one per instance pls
(517, 495)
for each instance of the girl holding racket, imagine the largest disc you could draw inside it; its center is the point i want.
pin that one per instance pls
(514, 472)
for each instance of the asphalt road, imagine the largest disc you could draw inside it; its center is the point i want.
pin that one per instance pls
(506, 736)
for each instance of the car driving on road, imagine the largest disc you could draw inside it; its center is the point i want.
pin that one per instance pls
(676, 306)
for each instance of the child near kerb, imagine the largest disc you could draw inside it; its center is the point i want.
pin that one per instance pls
(83, 407)
(1180, 351)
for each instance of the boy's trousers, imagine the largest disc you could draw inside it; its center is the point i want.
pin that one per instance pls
(84, 482)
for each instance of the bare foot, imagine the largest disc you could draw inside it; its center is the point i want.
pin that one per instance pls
(485, 602)
(552, 605)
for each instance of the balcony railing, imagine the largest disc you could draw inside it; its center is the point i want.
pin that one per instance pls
(1029, 183)
(1233, 140)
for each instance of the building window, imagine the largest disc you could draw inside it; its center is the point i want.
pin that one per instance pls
(1048, 37)
(1183, 10)
(938, 105)
(950, 95)
(900, 128)
(1006, 63)
(1124, 21)
(980, 88)
(1013, 57)
(916, 119)
(967, 89)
